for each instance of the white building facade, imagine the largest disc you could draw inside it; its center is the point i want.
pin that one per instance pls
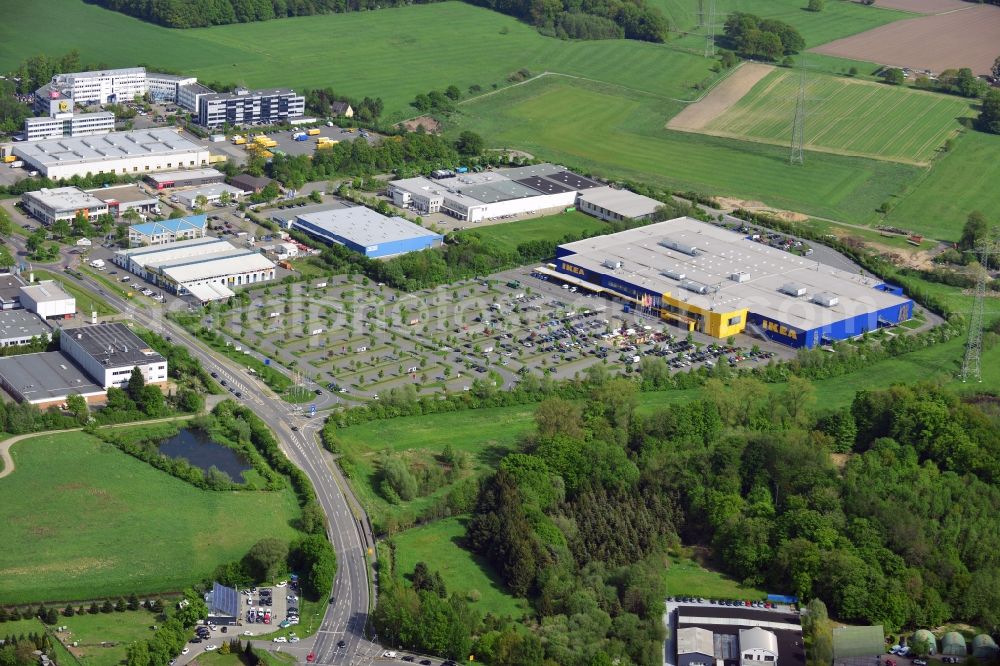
(62, 203)
(47, 300)
(110, 352)
(76, 124)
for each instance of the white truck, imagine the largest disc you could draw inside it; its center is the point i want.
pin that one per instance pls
(17, 164)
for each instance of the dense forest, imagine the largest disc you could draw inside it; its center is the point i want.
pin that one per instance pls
(576, 19)
(900, 530)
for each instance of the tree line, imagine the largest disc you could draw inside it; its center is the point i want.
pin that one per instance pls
(754, 37)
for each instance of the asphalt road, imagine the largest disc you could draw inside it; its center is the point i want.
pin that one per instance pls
(346, 617)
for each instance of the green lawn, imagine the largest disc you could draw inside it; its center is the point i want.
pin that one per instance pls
(464, 572)
(962, 181)
(487, 434)
(84, 520)
(86, 302)
(549, 228)
(620, 133)
(115, 630)
(34, 625)
(846, 116)
(685, 577)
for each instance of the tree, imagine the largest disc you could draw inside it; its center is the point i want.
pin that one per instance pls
(556, 416)
(469, 143)
(818, 634)
(995, 70)
(266, 559)
(225, 198)
(61, 228)
(989, 116)
(76, 405)
(893, 76)
(201, 201)
(976, 228)
(136, 384)
(82, 226)
(6, 258)
(816, 5)
(453, 93)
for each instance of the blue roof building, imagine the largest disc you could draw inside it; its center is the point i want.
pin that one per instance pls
(363, 230)
(168, 231)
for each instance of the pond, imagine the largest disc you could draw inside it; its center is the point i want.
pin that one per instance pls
(199, 450)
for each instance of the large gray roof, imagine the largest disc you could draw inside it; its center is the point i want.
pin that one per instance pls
(105, 147)
(114, 345)
(363, 226)
(46, 376)
(21, 324)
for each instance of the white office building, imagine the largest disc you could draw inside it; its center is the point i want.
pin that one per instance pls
(48, 300)
(247, 107)
(127, 153)
(62, 203)
(110, 352)
(166, 87)
(68, 125)
(21, 327)
(189, 96)
(113, 86)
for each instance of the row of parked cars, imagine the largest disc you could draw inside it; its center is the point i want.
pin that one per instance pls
(749, 603)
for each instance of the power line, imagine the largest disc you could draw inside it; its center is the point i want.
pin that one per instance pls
(974, 344)
(708, 19)
(797, 155)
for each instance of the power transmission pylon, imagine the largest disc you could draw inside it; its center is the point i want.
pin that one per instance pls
(708, 19)
(974, 345)
(797, 155)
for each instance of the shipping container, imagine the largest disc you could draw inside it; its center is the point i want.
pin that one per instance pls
(313, 132)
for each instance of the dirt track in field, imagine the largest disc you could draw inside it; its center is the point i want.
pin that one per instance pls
(698, 115)
(924, 6)
(969, 37)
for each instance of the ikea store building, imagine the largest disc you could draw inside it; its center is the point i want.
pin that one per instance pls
(706, 278)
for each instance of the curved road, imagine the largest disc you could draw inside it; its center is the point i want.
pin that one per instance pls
(346, 617)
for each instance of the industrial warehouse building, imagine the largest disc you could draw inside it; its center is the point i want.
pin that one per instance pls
(10, 291)
(110, 352)
(250, 107)
(206, 268)
(48, 300)
(366, 231)
(62, 203)
(735, 636)
(46, 379)
(20, 327)
(122, 198)
(614, 205)
(126, 153)
(493, 194)
(710, 279)
(168, 231)
(189, 178)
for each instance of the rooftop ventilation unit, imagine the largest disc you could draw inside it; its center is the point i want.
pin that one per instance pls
(613, 264)
(739, 277)
(827, 300)
(684, 248)
(697, 287)
(674, 275)
(793, 289)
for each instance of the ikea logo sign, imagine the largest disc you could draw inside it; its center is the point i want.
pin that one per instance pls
(570, 268)
(775, 327)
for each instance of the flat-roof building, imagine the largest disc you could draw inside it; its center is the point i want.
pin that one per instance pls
(366, 231)
(250, 107)
(48, 300)
(212, 193)
(736, 636)
(695, 647)
(189, 96)
(710, 279)
(249, 183)
(20, 327)
(137, 152)
(206, 267)
(110, 352)
(68, 125)
(112, 86)
(62, 203)
(492, 194)
(614, 205)
(46, 379)
(190, 177)
(168, 231)
(123, 198)
(10, 291)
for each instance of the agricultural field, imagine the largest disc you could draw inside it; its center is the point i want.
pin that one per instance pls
(442, 44)
(619, 133)
(104, 638)
(95, 511)
(551, 228)
(438, 545)
(962, 181)
(845, 116)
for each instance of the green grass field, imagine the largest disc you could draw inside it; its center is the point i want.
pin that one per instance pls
(619, 133)
(437, 544)
(115, 630)
(846, 116)
(962, 181)
(551, 228)
(686, 577)
(34, 625)
(84, 520)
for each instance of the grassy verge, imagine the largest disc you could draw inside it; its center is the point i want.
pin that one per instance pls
(686, 577)
(86, 302)
(104, 637)
(438, 545)
(82, 519)
(549, 228)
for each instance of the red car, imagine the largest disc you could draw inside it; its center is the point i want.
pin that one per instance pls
(311, 657)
